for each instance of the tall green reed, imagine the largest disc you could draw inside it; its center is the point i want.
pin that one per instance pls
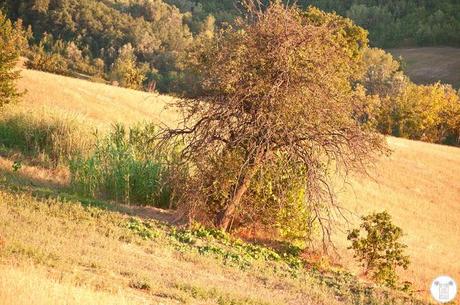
(124, 167)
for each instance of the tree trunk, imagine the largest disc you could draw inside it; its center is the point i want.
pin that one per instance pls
(243, 185)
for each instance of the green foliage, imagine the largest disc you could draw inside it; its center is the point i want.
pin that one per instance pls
(88, 36)
(401, 23)
(141, 228)
(376, 244)
(122, 168)
(13, 41)
(125, 71)
(383, 76)
(390, 23)
(278, 201)
(233, 251)
(60, 57)
(17, 165)
(429, 113)
(272, 111)
(421, 112)
(87, 31)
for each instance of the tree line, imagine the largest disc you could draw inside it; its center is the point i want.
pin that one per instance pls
(144, 44)
(395, 23)
(135, 43)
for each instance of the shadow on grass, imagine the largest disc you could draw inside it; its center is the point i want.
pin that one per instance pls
(22, 181)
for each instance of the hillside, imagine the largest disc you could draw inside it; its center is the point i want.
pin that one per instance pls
(88, 37)
(417, 185)
(99, 104)
(430, 65)
(70, 253)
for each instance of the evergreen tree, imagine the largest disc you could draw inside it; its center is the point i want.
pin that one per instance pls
(13, 39)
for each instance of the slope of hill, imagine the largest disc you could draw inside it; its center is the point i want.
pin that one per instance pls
(96, 103)
(68, 253)
(418, 185)
(430, 65)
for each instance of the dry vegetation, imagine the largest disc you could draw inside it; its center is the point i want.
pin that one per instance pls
(27, 285)
(418, 185)
(430, 65)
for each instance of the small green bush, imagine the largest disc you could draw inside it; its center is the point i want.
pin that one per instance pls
(124, 169)
(143, 229)
(378, 248)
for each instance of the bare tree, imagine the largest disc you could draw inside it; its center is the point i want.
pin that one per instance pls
(278, 85)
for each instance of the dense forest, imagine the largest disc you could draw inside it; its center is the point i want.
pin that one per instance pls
(390, 23)
(104, 39)
(398, 23)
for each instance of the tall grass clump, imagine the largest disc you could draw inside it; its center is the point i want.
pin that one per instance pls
(49, 139)
(124, 167)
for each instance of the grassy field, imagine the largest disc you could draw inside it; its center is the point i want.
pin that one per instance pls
(429, 65)
(90, 257)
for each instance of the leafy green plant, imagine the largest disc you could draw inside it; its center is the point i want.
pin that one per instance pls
(376, 245)
(141, 228)
(239, 121)
(233, 251)
(125, 70)
(17, 165)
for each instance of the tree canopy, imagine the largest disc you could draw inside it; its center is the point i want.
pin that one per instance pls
(377, 246)
(161, 32)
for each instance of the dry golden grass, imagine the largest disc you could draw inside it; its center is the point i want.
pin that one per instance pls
(430, 65)
(56, 178)
(90, 256)
(100, 104)
(29, 286)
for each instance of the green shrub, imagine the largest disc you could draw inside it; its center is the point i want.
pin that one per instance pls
(143, 229)
(379, 248)
(233, 251)
(123, 168)
(125, 69)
